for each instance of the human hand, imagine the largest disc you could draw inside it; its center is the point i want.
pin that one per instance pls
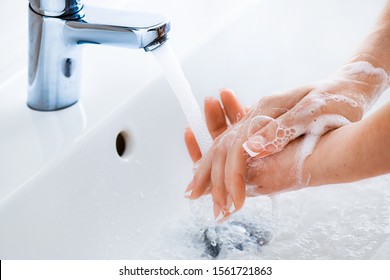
(216, 122)
(272, 124)
(327, 105)
(216, 113)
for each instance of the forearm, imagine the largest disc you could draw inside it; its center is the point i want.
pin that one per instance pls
(362, 149)
(374, 48)
(353, 152)
(366, 74)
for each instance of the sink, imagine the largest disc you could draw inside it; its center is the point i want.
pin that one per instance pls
(104, 178)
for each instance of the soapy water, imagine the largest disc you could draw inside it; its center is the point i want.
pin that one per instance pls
(244, 233)
(349, 221)
(220, 239)
(198, 236)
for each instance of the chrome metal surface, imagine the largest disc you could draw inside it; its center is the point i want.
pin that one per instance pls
(55, 8)
(55, 45)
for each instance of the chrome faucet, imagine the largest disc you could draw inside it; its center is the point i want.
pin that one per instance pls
(57, 31)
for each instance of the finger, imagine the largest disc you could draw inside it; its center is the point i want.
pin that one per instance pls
(259, 190)
(192, 145)
(270, 139)
(201, 181)
(310, 117)
(233, 109)
(257, 123)
(215, 117)
(235, 169)
(218, 190)
(278, 104)
(281, 107)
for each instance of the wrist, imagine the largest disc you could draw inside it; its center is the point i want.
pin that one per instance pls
(363, 80)
(324, 165)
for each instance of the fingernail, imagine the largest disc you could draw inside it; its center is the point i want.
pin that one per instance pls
(225, 210)
(230, 204)
(208, 99)
(249, 151)
(232, 208)
(227, 90)
(225, 213)
(188, 191)
(217, 211)
(256, 142)
(220, 216)
(187, 194)
(223, 218)
(254, 145)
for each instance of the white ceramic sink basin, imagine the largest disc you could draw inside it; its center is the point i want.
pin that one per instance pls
(65, 193)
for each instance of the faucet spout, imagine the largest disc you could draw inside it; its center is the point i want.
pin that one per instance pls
(56, 37)
(117, 28)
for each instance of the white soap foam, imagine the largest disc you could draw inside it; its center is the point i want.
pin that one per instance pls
(375, 80)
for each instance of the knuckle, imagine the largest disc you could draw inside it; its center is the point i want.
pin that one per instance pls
(268, 100)
(218, 195)
(216, 149)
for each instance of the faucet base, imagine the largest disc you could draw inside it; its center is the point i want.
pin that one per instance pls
(54, 65)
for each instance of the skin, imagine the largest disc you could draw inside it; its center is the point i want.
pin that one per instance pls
(216, 113)
(352, 152)
(343, 153)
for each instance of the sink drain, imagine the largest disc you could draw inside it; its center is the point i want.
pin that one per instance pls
(123, 144)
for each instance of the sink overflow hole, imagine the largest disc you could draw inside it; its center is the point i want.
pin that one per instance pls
(122, 143)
